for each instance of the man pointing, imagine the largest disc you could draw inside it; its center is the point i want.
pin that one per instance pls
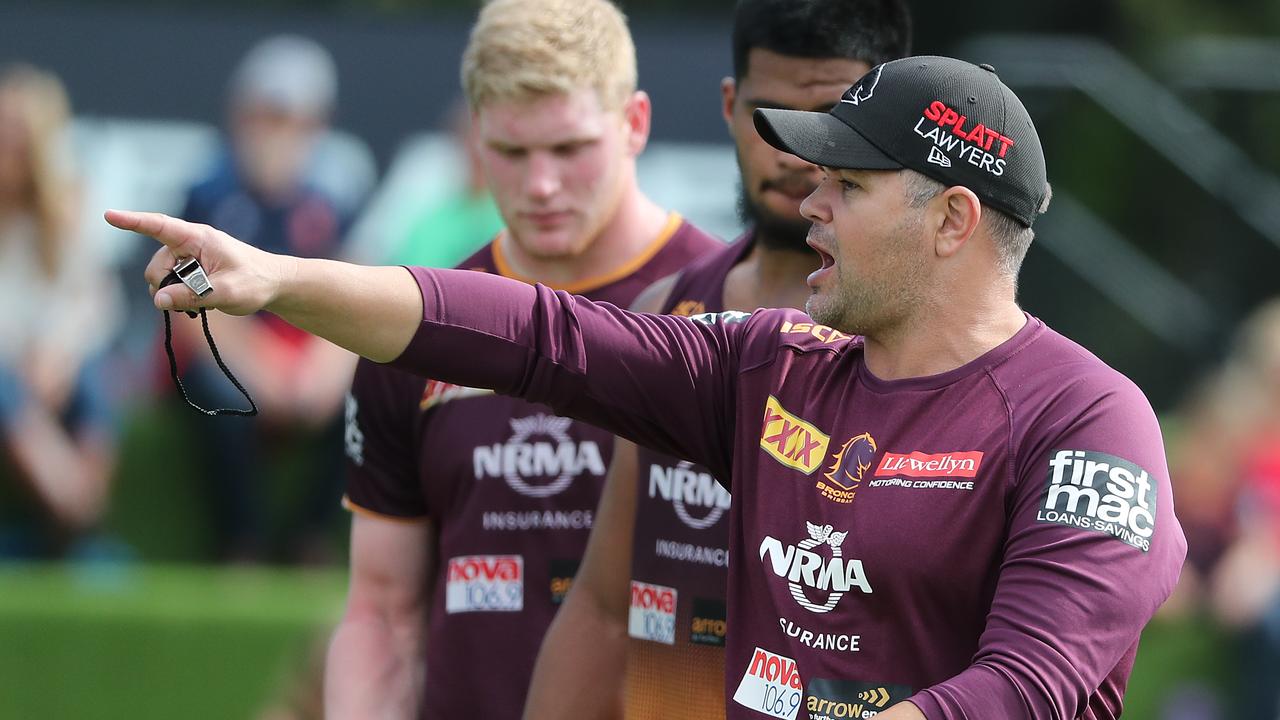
(867, 573)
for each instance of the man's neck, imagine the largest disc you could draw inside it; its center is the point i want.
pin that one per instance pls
(942, 337)
(635, 225)
(769, 277)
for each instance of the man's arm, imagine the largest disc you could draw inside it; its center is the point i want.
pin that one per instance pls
(581, 667)
(589, 361)
(1079, 578)
(334, 300)
(375, 665)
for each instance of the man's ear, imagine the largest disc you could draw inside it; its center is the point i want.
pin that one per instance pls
(728, 96)
(637, 112)
(955, 214)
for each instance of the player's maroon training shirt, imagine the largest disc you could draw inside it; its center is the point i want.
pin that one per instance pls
(675, 662)
(989, 541)
(510, 487)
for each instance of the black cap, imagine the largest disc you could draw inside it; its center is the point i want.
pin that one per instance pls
(946, 118)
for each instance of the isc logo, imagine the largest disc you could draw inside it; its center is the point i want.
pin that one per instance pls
(1101, 492)
(790, 440)
(821, 332)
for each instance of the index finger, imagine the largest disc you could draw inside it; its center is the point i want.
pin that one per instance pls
(179, 235)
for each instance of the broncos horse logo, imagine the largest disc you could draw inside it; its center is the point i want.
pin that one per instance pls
(865, 88)
(853, 460)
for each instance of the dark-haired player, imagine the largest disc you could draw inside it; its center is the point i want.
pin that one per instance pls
(942, 508)
(653, 597)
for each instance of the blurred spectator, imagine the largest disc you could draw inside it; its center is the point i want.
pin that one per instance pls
(1244, 589)
(60, 311)
(280, 99)
(448, 232)
(1204, 463)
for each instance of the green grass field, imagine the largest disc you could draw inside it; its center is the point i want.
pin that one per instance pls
(198, 642)
(157, 642)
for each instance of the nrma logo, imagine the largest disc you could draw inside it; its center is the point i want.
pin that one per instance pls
(699, 500)
(848, 467)
(522, 458)
(804, 568)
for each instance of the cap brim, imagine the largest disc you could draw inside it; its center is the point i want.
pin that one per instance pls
(820, 138)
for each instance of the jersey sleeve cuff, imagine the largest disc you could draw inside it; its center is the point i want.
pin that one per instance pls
(979, 691)
(374, 514)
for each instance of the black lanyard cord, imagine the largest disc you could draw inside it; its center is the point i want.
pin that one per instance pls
(213, 348)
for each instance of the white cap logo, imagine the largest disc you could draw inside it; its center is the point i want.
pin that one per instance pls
(937, 157)
(865, 88)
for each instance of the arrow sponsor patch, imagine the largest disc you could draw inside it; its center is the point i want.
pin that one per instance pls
(840, 699)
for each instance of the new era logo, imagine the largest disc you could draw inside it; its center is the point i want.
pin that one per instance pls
(937, 157)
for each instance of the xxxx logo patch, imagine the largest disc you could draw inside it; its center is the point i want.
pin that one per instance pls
(790, 440)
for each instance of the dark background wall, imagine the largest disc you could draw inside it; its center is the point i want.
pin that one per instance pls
(398, 62)
(398, 65)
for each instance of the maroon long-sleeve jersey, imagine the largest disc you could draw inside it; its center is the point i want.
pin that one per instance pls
(988, 542)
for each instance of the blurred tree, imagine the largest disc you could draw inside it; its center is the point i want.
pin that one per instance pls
(1151, 24)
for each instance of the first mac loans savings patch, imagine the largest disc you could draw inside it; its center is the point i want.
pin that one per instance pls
(1100, 492)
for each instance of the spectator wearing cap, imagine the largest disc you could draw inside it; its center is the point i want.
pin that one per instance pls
(280, 99)
(1243, 587)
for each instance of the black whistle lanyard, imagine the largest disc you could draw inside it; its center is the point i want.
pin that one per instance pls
(213, 348)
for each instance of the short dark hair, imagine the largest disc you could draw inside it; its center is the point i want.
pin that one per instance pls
(872, 31)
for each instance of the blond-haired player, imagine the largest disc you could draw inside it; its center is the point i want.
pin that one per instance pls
(472, 510)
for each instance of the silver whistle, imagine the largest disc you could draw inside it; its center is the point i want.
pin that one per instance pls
(193, 276)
